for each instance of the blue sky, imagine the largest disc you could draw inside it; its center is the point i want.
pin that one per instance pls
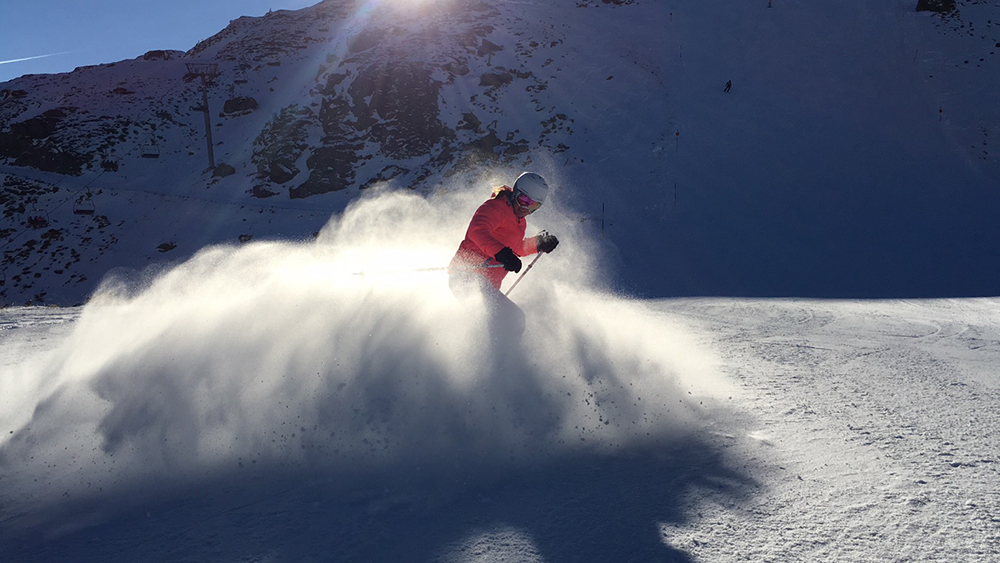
(45, 36)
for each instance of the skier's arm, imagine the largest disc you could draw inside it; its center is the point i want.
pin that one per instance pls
(528, 246)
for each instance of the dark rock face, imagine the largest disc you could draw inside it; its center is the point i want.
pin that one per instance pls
(332, 170)
(262, 192)
(332, 81)
(223, 170)
(6, 94)
(41, 126)
(377, 100)
(398, 104)
(160, 55)
(365, 40)
(332, 164)
(34, 143)
(457, 68)
(487, 48)
(386, 174)
(495, 79)
(51, 159)
(278, 171)
(393, 105)
(469, 122)
(239, 105)
(281, 143)
(487, 144)
(938, 6)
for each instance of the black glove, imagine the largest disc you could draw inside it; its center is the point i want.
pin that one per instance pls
(545, 242)
(510, 262)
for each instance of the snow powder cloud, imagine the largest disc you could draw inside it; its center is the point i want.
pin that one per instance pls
(278, 354)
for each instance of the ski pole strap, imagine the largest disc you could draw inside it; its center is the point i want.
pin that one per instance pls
(525, 272)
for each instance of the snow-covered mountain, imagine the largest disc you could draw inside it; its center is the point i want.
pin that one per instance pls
(234, 390)
(852, 155)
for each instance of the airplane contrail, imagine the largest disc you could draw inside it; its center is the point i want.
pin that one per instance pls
(33, 58)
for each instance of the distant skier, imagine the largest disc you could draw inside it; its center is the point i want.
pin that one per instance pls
(729, 85)
(496, 237)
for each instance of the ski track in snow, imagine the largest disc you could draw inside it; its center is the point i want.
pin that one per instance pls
(872, 436)
(860, 431)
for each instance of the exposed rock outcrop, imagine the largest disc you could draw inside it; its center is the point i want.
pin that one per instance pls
(41, 126)
(938, 6)
(161, 55)
(240, 105)
(223, 170)
(281, 143)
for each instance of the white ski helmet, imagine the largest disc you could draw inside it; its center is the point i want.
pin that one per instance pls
(531, 185)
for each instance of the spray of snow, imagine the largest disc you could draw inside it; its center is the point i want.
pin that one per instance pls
(279, 354)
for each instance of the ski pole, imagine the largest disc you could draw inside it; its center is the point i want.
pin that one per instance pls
(432, 269)
(519, 278)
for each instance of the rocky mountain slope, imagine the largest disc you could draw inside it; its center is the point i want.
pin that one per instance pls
(620, 104)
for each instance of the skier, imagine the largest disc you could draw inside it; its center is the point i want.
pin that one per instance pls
(495, 237)
(729, 85)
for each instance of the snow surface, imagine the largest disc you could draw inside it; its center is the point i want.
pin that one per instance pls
(265, 402)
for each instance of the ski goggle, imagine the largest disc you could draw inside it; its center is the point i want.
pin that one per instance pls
(527, 203)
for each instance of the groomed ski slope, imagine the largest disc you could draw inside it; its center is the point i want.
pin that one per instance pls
(265, 403)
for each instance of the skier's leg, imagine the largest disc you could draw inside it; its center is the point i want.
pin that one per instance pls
(505, 320)
(507, 317)
(464, 285)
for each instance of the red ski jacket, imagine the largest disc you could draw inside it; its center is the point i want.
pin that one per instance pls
(493, 227)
